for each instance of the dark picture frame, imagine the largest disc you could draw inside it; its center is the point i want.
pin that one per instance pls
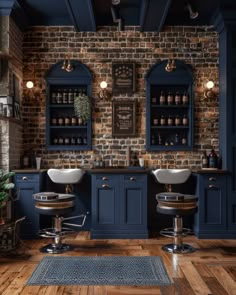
(123, 78)
(123, 118)
(17, 112)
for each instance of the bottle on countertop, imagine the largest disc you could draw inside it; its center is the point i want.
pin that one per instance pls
(213, 159)
(204, 160)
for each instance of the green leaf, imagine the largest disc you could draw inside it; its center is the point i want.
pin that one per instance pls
(82, 106)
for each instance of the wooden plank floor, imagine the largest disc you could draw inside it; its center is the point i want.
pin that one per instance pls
(209, 270)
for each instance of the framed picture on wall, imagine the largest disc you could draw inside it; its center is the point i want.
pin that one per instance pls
(123, 78)
(123, 118)
(17, 110)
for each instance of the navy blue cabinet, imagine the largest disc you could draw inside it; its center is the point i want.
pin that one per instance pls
(211, 219)
(27, 184)
(119, 206)
(64, 131)
(169, 106)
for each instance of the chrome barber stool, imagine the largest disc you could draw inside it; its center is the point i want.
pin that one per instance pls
(176, 205)
(58, 205)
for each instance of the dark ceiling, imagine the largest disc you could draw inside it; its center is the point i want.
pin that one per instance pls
(87, 15)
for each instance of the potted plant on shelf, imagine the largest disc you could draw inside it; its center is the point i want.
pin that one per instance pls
(5, 186)
(82, 106)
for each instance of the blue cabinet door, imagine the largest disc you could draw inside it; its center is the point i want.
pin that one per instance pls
(133, 205)
(26, 185)
(211, 220)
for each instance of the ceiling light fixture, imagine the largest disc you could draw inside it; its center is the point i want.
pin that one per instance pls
(192, 14)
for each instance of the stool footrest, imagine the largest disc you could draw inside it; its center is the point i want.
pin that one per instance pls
(170, 233)
(56, 248)
(51, 233)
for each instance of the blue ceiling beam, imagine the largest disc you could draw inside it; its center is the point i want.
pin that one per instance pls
(6, 7)
(153, 14)
(82, 15)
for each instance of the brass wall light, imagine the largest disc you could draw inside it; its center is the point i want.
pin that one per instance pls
(103, 93)
(209, 93)
(170, 66)
(67, 66)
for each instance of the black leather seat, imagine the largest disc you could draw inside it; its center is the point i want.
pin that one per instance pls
(176, 205)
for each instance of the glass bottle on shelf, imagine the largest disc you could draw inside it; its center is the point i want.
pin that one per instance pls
(60, 120)
(212, 159)
(73, 140)
(55, 140)
(54, 97)
(170, 121)
(79, 140)
(159, 138)
(184, 140)
(60, 140)
(204, 160)
(54, 120)
(155, 121)
(163, 121)
(85, 140)
(67, 120)
(65, 96)
(59, 96)
(154, 100)
(162, 98)
(185, 98)
(177, 98)
(80, 121)
(185, 120)
(70, 96)
(177, 120)
(73, 121)
(170, 98)
(176, 138)
(67, 140)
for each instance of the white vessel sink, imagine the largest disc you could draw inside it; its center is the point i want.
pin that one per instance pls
(66, 176)
(172, 176)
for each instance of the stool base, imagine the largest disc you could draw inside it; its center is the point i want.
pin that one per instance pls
(178, 249)
(56, 248)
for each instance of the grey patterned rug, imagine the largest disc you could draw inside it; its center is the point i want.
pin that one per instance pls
(93, 270)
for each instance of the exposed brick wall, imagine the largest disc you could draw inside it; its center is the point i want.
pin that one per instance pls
(11, 130)
(197, 46)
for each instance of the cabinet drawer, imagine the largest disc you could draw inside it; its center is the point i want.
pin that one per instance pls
(104, 177)
(27, 177)
(213, 181)
(134, 177)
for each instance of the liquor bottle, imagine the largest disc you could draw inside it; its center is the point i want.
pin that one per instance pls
(163, 121)
(80, 121)
(204, 160)
(67, 120)
(73, 140)
(60, 121)
(70, 96)
(60, 140)
(54, 120)
(177, 120)
(176, 138)
(155, 121)
(85, 140)
(170, 98)
(184, 140)
(55, 140)
(212, 159)
(73, 121)
(177, 98)
(67, 140)
(185, 120)
(159, 138)
(65, 96)
(162, 98)
(59, 96)
(185, 98)
(154, 100)
(170, 121)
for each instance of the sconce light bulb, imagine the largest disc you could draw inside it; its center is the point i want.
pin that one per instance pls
(209, 84)
(103, 84)
(30, 84)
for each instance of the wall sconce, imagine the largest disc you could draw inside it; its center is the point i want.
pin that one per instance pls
(209, 93)
(192, 14)
(29, 84)
(67, 64)
(32, 89)
(171, 66)
(103, 93)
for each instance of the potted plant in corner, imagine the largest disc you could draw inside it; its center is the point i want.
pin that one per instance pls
(5, 186)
